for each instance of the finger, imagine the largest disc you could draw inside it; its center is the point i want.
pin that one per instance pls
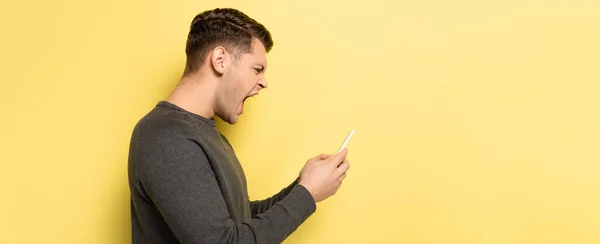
(345, 161)
(339, 184)
(338, 158)
(344, 166)
(342, 177)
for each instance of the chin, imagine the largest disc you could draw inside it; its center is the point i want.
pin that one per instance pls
(232, 120)
(229, 118)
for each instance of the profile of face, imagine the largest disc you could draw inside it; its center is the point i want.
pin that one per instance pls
(240, 78)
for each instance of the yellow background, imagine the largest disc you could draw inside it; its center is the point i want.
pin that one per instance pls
(476, 121)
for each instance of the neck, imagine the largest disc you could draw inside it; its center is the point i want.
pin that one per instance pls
(195, 93)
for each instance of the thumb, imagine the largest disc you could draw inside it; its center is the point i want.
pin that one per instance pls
(324, 156)
(338, 158)
(321, 156)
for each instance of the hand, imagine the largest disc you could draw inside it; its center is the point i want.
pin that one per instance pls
(322, 175)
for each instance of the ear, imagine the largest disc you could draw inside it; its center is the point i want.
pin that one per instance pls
(218, 58)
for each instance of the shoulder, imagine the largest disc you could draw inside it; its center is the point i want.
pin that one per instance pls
(165, 143)
(159, 132)
(155, 125)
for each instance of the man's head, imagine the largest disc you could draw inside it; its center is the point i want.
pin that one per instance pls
(231, 47)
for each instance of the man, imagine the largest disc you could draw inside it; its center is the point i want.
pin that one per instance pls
(187, 186)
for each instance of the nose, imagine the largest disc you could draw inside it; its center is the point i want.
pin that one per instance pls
(263, 83)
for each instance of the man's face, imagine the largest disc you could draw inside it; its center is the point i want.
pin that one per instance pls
(244, 78)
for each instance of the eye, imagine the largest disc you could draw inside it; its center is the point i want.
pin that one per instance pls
(259, 69)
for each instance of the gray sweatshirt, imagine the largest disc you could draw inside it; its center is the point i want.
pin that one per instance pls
(187, 186)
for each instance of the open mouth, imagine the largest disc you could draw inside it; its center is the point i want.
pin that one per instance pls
(249, 96)
(243, 101)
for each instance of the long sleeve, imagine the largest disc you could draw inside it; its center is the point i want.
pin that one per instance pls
(260, 206)
(177, 177)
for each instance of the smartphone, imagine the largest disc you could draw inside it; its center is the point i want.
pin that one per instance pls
(346, 141)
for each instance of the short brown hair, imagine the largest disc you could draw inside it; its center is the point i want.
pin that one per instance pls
(227, 27)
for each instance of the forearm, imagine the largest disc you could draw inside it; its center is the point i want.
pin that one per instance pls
(271, 226)
(260, 206)
(283, 217)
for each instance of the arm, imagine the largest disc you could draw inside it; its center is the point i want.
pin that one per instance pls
(260, 206)
(180, 182)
